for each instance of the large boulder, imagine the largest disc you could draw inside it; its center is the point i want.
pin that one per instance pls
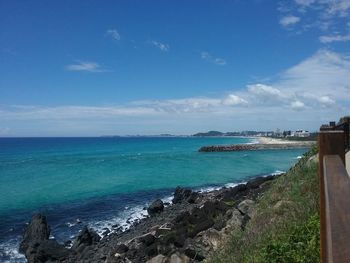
(86, 237)
(256, 182)
(156, 207)
(37, 230)
(234, 221)
(179, 258)
(233, 193)
(247, 207)
(36, 244)
(181, 194)
(158, 259)
(147, 239)
(46, 251)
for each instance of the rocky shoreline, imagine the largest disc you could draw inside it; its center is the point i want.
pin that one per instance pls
(255, 147)
(188, 230)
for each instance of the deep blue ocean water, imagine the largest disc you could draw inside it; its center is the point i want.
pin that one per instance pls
(104, 181)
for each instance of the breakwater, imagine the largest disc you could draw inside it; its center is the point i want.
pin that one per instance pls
(255, 147)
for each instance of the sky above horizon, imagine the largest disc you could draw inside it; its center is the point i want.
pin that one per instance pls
(90, 68)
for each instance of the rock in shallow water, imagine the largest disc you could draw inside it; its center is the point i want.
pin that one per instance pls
(37, 230)
(46, 251)
(184, 194)
(86, 237)
(156, 207)
(36, 244)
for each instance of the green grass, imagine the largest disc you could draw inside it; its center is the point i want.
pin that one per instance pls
(286, 225)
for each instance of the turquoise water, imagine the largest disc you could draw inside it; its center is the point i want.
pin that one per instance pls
(66, 177)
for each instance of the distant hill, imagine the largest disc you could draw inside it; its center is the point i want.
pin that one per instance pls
(209, 133)
(217, 133)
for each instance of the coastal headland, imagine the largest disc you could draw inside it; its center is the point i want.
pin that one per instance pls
(264, 143)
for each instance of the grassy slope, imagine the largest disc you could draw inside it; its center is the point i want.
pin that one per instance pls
(286, 225)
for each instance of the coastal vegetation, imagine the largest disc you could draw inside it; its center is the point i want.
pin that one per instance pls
(285, 226)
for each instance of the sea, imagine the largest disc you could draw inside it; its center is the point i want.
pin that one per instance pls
(106, 182)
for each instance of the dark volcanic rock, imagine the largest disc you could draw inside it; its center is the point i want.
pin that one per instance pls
(256, 182)
(121, 249)
(156, 207)
(193, 254)
(181, 194)
(233, 193)
(36, 244)
(86, 237)
(147, 239)
(193, 197)
(37, 230)
(46, 251)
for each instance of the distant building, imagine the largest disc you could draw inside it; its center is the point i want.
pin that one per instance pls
(287, 133)
(301, 133)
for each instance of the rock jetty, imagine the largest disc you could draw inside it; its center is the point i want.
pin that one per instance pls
(255, 147)
(188, 230)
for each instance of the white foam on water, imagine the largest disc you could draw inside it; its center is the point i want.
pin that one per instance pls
(124, 220)
(231, 185)
(9, 252)
(208, 189)
(168, 199)
(253, 142)
(277, 172)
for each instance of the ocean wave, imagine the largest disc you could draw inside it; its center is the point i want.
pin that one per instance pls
(277, 172)
(9, 252)
(128, 217)
(253, 142)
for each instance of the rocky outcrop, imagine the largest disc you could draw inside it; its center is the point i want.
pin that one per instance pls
(158, 259)
(258, 181)
(156, 207)
(184, 195)
(174, 258)
(190, 230)
(37, 230)
(247, 207)
(36, 244)
(46, 251)
(86, 237)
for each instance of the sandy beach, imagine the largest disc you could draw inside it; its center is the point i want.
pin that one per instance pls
(269, 140)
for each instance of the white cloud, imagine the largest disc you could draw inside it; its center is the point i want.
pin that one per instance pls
(289, 20)
(324, 73)
(327, 16)
(264, 90)
(234, 100)
(339, 7)
(334, 38)
(208, 57)
(305, 2)
(326, 100)
(87, 66)
(297, 105)
(320, 81)
(318, 88)
(161, 46)
(113, 33)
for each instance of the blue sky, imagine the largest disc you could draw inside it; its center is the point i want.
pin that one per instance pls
(86, 68)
